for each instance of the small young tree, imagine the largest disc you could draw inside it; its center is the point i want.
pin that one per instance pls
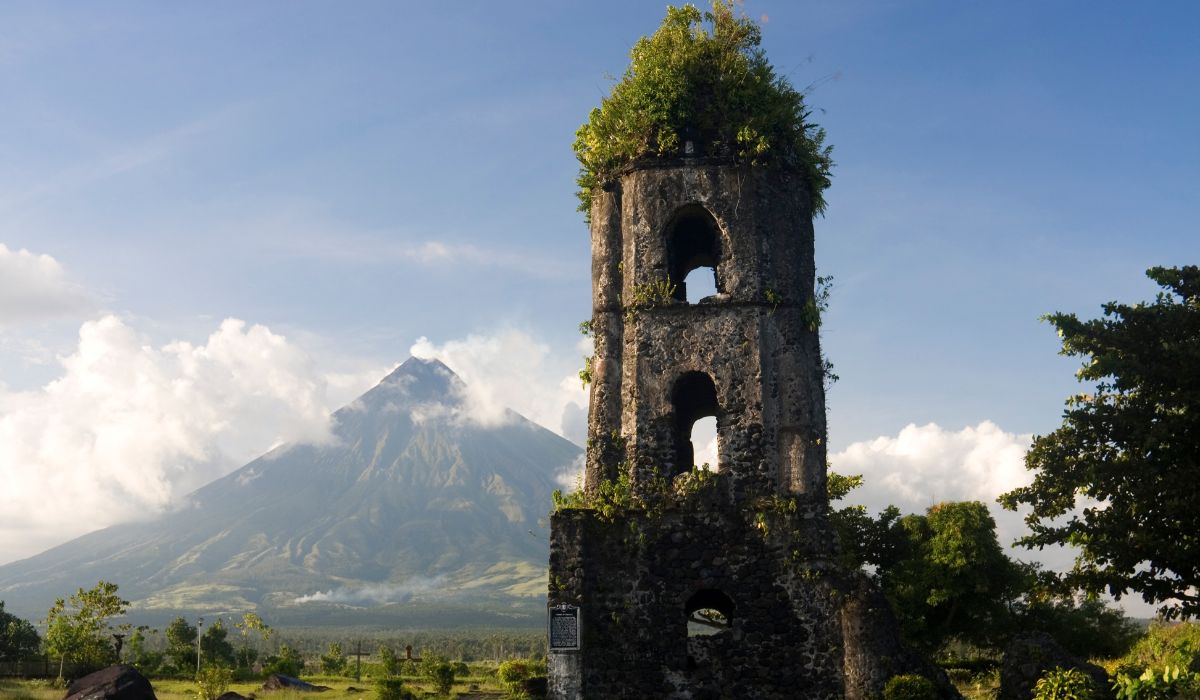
(333, 662)
(77, 628)
(439, 672)
(250, 627)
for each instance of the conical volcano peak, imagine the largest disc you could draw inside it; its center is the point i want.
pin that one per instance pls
(423, 379)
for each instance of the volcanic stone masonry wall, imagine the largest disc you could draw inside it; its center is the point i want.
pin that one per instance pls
(750, 541)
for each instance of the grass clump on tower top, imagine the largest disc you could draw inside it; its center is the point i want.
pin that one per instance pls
(702, 78)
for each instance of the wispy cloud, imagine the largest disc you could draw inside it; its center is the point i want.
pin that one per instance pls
(125, 157)
(35, 287)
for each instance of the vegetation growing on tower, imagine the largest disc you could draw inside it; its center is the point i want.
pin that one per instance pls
(702, 78)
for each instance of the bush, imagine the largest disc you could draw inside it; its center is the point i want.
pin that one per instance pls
(1064, 684)
(1172, 684)
(1177, 646)
(702, 77)
(288, 663)
(513, 674)
(909, 687)
(392, 689)
(212, 682)
(440, 673)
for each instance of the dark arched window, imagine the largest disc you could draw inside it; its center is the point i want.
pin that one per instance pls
(693, 397)
(709, 611)
(693, 243)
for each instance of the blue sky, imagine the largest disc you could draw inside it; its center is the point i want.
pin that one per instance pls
(353, 178)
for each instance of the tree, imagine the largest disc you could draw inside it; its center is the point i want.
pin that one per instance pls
(288, 662)
(139, 656)
(957, 583)
(215, 648)
(181, 644)
(1118, 479)
(18, 638)
(251, 625)
(77, 628)
(333, 663)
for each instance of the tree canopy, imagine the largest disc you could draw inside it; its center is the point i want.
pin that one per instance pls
(702, 77)
(18, 638)
(78, 628)
(1118, 479)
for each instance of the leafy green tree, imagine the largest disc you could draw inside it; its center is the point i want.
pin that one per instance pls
(1088, 628)
(214, 646)
(333, 662)
(288, 662)
(1118, 479)
(181, 644)
(958, 584)
(77, 628)
(139, 655)
(880, 542)
(250, 627)
(702, 78)
(18, 638)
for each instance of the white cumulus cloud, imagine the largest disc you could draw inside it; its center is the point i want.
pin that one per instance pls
(511, 369)
(128, 428)
(35, 286)
(927, 464)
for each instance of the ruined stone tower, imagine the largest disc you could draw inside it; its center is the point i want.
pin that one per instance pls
(744, 553)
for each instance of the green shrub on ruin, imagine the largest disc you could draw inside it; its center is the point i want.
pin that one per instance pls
(702, 77)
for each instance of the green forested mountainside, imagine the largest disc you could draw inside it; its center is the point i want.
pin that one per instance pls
(412, 505)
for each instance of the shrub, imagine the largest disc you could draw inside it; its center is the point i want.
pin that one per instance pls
(288, 663)
(1173, 684)
(212, 682)
(440, 673)
(392, 689)
(513, 674)
(909, 687)
(1064, 684)
(702, 77)
(1164, 645)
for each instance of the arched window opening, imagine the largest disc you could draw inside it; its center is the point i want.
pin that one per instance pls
(709, 612)
(693, 397)
(701, 283)
(693, 242)
(704, 442)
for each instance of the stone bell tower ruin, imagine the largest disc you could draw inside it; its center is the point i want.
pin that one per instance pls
(671, 581)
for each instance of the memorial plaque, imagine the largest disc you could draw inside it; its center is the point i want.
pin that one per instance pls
(564, 628)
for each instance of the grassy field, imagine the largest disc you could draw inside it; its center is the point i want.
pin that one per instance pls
(341, 688)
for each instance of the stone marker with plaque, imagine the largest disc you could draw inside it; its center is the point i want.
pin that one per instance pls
(564, 627)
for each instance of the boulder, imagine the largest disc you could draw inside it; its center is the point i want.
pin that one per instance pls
(1029, 655)
(120, 682)
(232, 696)
(278, 681)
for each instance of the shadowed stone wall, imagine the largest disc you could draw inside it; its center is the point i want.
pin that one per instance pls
(750, 541)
